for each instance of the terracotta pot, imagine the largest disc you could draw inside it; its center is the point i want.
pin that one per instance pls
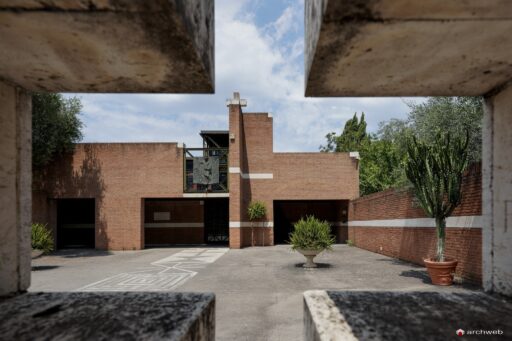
(310, 255)
(441, 273)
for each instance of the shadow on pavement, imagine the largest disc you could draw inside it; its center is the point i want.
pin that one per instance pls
(44, 267)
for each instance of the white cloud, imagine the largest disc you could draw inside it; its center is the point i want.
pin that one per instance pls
(265, 64)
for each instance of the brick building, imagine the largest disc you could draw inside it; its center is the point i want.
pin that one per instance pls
(124, 196)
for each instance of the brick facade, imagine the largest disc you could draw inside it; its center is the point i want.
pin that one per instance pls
(415, 243)
(282, 176)
(122, 177)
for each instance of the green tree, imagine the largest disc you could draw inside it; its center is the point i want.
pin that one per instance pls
(457, 115)
(436, 170)
(379, 168)
(56, 126)
(383, 154)
(350, 140)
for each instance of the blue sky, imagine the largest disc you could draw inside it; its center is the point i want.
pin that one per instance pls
(259, 51)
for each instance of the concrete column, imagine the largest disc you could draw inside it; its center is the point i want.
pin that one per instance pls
(15, 189)
(497, 192)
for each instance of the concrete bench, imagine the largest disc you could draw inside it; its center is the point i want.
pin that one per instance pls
(108, 316)
(371, 315)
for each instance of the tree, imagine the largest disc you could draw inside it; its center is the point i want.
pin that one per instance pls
(255, 211)
(350, 140)
(379, 168)
(56, 126)
(435, 170)
(457, 115)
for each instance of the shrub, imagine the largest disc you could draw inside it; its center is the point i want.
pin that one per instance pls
(41, 238)
(256, 210)
(311, 234)
(350, 242)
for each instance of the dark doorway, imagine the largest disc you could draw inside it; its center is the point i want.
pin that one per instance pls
(75, 223)
(286, 213)
(216, 221)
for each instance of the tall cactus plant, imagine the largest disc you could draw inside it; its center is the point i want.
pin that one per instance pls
(436, 173)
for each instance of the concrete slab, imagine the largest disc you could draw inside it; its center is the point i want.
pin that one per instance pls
(108, 316)
(403, 48)
(259, 291)
(108, 45)
(367, 315)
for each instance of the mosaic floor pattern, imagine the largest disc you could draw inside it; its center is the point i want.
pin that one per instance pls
(162, 275)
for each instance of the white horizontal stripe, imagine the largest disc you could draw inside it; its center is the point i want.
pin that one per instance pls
(257, 175)
(461, 221)
(173, 225)
(236, 170)
(237, 224)
(205, 195)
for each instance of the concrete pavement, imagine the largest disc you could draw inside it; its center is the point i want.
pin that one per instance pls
(258, 290)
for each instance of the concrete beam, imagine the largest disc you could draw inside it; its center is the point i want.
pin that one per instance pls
(497, 194)
(407, 48)
(164, 46)
(15, 189)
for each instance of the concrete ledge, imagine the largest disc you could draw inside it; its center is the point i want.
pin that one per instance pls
(108, 316)
(406, 48)
(108, 46)
(364, 315)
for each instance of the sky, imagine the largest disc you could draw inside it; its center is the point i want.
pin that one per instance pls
(259, 52)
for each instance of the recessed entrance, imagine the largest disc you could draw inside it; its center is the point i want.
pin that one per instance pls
(75, 223)
(216, 221)
(287, 212)
(170, 221)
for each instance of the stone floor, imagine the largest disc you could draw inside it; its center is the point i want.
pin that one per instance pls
(258, 290)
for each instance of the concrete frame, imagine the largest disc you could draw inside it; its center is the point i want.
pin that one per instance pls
(428, 48)
(85, 46)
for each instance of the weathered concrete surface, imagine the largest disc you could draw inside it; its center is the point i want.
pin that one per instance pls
(108, 45)
(15, 189)
(404, 316)
(258, 290)
(497, 185)
(108, 316)
(404, 48)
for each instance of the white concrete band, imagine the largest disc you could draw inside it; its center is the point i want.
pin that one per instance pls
(460, 222)
(238, 224)
(355, 155)
(173, 225)
(236, 170)
(205, 195)
(257, 175)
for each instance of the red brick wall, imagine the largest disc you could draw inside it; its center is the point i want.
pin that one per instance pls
(415, 243)
(118, 176)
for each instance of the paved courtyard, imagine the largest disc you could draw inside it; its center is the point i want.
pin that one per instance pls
(258, 290)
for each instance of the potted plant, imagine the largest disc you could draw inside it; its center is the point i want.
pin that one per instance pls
(310, 237)
(436, 172)
(42, 240)
(256, 211)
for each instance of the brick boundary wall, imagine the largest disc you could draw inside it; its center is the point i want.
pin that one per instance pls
(409, 240)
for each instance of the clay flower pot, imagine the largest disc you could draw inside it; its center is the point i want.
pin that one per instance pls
(310, 255)
(441, 273)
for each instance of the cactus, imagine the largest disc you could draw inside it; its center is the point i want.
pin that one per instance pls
(436, 173)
